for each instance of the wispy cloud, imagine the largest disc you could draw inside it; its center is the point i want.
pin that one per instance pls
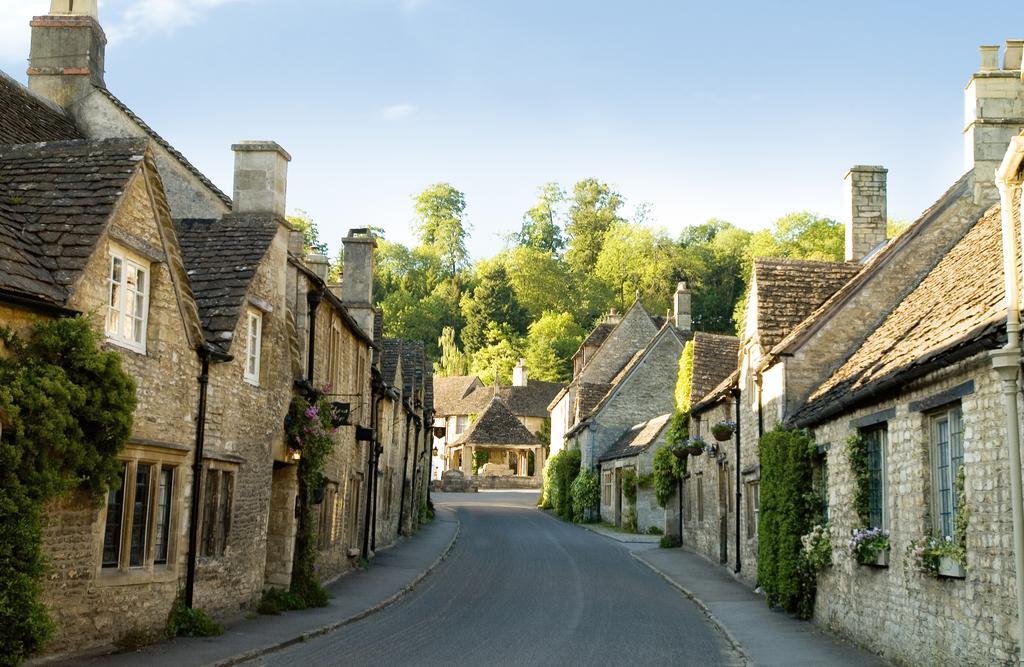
(398, 111)
(159, 16)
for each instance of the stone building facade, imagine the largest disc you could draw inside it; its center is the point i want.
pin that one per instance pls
(634, 452)
(204, 286)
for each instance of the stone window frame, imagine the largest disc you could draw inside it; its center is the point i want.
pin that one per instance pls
(461, 424)
(700, 497)
(128, 258)
(161, 456)
(606, 487)
(944, 466)
(752, 507)
(334, 352)
(253, 346)
(209, 547)
(350, 509)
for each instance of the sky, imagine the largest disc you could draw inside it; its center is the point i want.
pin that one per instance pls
(743, 111)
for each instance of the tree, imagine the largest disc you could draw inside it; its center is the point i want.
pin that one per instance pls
(594, 210)
(712, 257)
(311, 242)
(440, 209)
(499, 356)
(540, 229)
(491, 302)
(453, 360)
(637, 259)
(539, 280)
(550, 344)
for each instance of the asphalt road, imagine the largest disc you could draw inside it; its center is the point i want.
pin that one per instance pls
(521, 588)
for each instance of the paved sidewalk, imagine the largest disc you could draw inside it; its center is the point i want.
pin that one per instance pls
(764, 636)
(392, 573)
(621, 536)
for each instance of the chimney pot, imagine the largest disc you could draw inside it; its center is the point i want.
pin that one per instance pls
(520, 376)
(1012, 55)
(864, 191)
(77, 7)
(989, 57)
(261, 177)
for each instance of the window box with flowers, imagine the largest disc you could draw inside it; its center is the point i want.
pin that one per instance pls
(945, 556)
(696, 446)
(870, 546)
(723, 430)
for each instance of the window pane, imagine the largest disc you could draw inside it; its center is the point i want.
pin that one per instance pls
(163, 516)
(115, 517)
(876, 470)
(209, 511)
(224, 511)
(140, 515)
(943, 485)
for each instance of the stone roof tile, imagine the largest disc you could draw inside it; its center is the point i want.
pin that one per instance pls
(714, 359)
(637, 439)
(26, 118)
(497, 427)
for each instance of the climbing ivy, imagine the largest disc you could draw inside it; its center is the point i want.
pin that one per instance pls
(559, 473)
(310, 422)
(66, 411)
(678, 428)
(629, 483)
(857, 452)
(684, 379)
(586, 494)
(788, 512)
(668, 470)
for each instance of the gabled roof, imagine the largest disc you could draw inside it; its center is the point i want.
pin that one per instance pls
(960, 189)
(449, 393)
(588, 396)
(428, 387)
(221, 258)
(497, 427)
(637, 439)
(714, 359)
(27, 118)
(412, 365)
(166, 145)
(957, 309)
(597, 336)
(56, 199)
(788, 290)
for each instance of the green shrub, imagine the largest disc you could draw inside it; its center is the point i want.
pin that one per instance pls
(668, 470)
(654, 530)
(66, 409)
(564, 467)
(670, 542)
(276, 601)
(629, 521)
(788, 510)
(426, 511)
(586, 494)
(185, 622)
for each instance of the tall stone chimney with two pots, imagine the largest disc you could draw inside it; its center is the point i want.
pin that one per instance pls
(993, 113)
(67, 52)
(357, 277)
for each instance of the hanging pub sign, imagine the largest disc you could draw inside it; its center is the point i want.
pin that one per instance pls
(341, 413)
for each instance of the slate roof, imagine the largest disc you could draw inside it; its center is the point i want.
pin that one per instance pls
(412, 365)
(723, 389)
(221, 258)
(636, 439)
(497, 426)
(589, 395)
(56, 199)
(391, 351)
(597, 336)
(428, 387)
(714, 359)
(788, 290)
(959, 303)
(26, 118)
(378, 336)
(956, 192)
(449, 392)
(166, 145)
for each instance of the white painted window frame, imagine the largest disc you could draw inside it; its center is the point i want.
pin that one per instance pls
(253, 346)
(116, 335)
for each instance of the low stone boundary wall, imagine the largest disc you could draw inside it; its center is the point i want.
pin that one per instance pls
(507, 482)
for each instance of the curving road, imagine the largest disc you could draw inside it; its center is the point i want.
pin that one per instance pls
(521, 588)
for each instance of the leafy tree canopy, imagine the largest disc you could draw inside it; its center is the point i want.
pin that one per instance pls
(440, 210)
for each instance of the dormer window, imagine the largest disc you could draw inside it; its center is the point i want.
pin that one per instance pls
(127, 300)
(253, 343)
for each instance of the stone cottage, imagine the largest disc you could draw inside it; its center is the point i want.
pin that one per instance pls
(497, 438)
(640, 389)
(461, 399)
(633, 455)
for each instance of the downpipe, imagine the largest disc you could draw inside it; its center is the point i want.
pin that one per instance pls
(1006, 362)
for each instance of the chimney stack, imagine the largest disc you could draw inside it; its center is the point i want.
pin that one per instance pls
(357, 278)
(261, 177)
(67, 51)
(683, 307)
(993, 113)
(864, 195)
(319, 264)
(520, 374)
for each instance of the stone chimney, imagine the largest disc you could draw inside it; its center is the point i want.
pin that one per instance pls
(519, 374)
(864, 202)
(993, 113)
(357, 278)
(319, 264)
(682, 302)
(261, 177)
(613, 316)
(67, 51)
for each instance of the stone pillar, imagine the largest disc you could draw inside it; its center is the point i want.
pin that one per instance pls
(538, 462)
(467, 460)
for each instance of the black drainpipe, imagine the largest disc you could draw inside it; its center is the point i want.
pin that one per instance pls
(375, 422)
(417, 457)
(739, 494)
(313, 299)
(405, 467)
(371, 468)
(205, 355)
(760, 406)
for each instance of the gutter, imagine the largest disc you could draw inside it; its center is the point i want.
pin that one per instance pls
(22, 299)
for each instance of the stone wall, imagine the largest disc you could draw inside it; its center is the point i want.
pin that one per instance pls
(631, 334)
(910, 618)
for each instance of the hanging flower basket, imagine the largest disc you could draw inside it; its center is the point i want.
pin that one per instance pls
(695, 447)
(723, 430)
(679, 451)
